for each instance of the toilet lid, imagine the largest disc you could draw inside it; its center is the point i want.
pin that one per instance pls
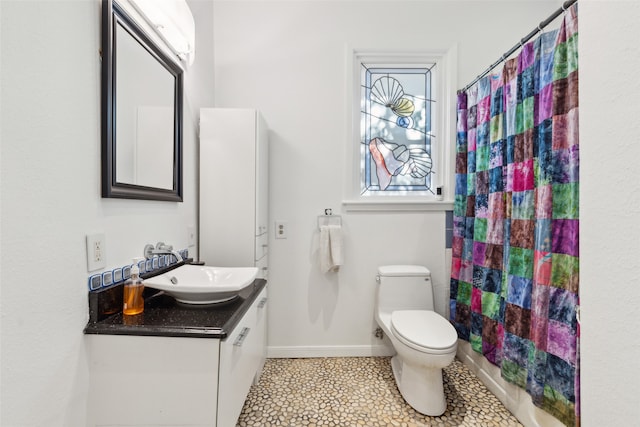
(424, 328)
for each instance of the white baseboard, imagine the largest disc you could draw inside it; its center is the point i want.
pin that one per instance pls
(292, 352)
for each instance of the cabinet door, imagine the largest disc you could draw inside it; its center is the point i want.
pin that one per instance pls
(263, 267)
(239, 356)
(152, 381)
(227, 186)
(261, 329)
(262, 176)
(262, 246)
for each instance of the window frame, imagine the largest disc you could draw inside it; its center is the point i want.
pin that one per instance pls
(443, 87)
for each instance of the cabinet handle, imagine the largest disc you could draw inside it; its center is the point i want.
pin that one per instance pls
(243, 334)
(262, 302)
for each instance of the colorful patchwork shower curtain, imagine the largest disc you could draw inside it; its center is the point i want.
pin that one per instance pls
(514, 285)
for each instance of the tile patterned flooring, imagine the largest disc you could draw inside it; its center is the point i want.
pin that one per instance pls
(361, 391)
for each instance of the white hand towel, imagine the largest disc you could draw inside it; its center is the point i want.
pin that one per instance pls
(335, 236)
(330, 248)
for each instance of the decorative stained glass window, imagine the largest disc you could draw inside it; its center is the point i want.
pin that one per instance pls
(397, 139)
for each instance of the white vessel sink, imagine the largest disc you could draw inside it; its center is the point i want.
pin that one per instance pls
(199, 284)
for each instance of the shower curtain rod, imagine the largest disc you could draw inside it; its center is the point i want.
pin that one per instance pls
(566, 5)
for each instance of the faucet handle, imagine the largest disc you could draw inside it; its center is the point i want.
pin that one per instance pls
(161, 246)
(148, 251)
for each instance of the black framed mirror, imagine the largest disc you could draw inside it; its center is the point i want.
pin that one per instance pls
(142, 90)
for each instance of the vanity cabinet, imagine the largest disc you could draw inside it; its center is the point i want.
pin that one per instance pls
(234, 188)
(150, 381)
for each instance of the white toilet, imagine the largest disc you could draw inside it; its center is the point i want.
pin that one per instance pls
(425, 342)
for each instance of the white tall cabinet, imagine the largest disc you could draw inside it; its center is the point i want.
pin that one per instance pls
(234, 188)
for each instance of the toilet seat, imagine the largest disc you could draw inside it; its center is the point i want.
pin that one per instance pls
(424, 330)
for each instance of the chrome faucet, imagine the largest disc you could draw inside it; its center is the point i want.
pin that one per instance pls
(161, 249)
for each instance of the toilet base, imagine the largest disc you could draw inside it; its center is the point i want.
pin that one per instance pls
(422, 388)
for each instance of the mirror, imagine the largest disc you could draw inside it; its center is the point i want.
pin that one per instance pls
(142, 89)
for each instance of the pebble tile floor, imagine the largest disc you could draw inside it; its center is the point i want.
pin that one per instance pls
(361, 391)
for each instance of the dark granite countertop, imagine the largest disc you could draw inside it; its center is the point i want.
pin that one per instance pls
(164, 316)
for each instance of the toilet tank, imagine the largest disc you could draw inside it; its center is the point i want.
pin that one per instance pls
(404, 287)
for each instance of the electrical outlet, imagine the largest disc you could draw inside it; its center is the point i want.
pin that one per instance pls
(281, 229)
(191, 235)
(96, 252)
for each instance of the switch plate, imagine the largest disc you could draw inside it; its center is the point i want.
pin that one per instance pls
(96, 252)
(281, 229)
(191, 236)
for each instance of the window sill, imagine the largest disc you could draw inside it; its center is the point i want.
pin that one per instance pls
(385, 205)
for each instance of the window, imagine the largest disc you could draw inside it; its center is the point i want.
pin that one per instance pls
(403, 128)
(396, 133)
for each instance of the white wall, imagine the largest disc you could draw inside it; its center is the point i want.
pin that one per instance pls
(609, 211)
(50, 199)
(288, 59)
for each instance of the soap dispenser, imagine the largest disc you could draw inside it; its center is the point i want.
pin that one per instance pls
(133, 302)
